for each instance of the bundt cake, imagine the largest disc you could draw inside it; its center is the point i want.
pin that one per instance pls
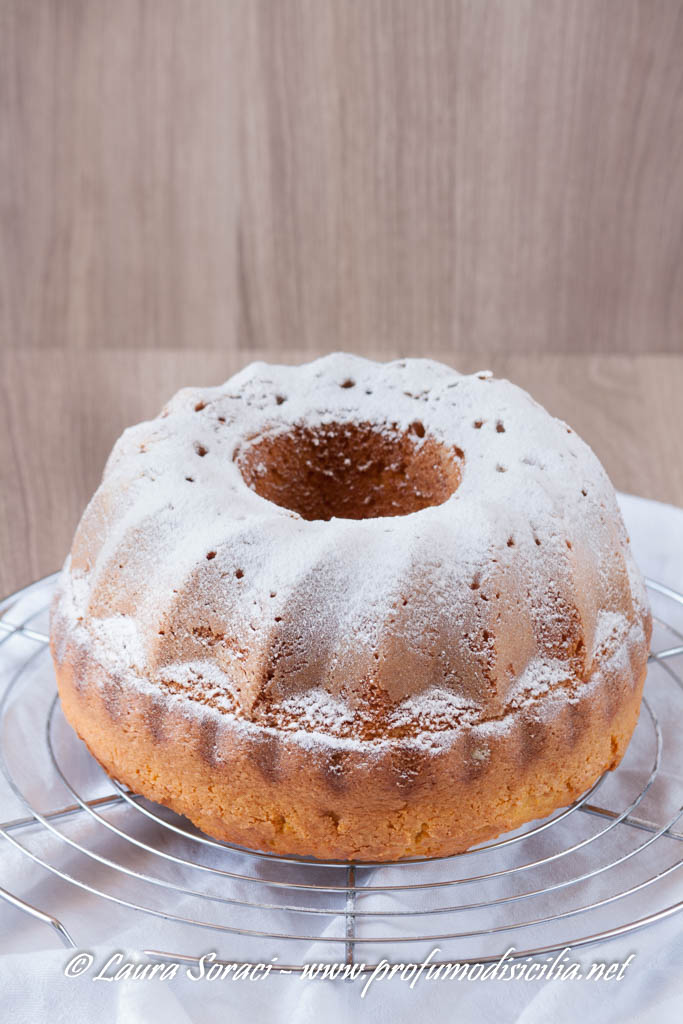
(353, 610)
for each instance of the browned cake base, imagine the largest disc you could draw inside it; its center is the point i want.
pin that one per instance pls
(264, 789)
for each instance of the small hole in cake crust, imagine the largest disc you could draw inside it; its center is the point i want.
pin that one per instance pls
(280, 399)
(239, 573)
(478, 424)
(190, 479)
(537, 542)
(500, 429)
(210, 555)
(501, 469)
(221, 419)
(569, 544)
(199, 406)
(200, 449)
(418, 428)
(474, 585)
(486, 635)
(584, 492)
(273, 593)
(511, 542)
(348, 383)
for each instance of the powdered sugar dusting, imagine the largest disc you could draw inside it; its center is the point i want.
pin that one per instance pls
(429, 721)
(180, 572)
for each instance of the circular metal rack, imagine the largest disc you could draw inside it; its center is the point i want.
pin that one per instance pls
(601, 868)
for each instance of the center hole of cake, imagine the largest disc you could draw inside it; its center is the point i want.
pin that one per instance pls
(351, 470)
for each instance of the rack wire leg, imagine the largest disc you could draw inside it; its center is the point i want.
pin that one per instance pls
(350, 919)
(39, 915)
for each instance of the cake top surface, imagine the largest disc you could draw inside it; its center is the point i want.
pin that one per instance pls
(479, 549)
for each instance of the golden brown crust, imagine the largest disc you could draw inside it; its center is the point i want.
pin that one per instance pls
(266, 790)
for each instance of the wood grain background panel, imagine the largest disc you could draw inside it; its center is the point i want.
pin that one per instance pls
(321, 174)
(186, 185)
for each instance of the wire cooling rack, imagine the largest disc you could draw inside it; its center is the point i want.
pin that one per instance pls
(603, 867)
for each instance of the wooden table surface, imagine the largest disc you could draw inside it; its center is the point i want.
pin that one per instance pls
(62, 411)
